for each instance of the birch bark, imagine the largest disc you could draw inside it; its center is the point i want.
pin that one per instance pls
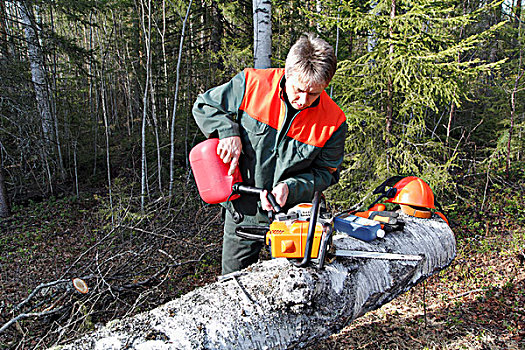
(262, 33)
(275, 305)
(147, 41)
(38, 74)
(174, 113)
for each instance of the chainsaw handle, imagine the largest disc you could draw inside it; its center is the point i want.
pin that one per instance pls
(326, 240)
(273, 202)
(254, 233)
(311, 232)
(244, 189)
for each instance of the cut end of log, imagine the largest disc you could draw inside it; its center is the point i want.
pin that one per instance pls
(80, 285)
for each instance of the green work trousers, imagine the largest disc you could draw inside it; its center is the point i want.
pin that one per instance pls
(238, 253)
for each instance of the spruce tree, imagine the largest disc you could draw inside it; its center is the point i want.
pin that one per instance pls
(408, 67)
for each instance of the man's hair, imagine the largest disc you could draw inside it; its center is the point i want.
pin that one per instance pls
(312, 60)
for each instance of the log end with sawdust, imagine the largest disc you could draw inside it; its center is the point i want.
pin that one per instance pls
(275, 305)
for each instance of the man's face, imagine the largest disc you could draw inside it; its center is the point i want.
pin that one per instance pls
(301, 95)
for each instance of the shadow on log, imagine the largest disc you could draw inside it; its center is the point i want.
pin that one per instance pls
(275, 305)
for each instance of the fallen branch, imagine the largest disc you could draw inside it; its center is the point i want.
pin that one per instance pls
(467, 293)
(30, 315)
(38, 289)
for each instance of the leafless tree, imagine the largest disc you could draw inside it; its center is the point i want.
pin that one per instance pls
(40, 82)
(174, 113)
(5, 207)
(146, 28)
(262, 33)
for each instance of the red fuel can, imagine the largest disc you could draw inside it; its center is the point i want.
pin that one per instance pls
(211, 173)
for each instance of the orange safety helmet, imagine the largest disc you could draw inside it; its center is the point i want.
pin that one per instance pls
(413, 191)
(413, 195)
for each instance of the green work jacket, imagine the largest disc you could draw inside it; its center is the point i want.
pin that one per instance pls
(303, 150)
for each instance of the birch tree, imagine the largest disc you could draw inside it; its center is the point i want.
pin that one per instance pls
(276, 305)
(174, 113)
(147, 43)
(262, 33)
(38, 73)
(40, 84)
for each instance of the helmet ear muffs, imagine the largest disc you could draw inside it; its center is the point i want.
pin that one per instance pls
(381, 189)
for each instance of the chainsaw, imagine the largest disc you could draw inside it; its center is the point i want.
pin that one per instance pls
(304, 234)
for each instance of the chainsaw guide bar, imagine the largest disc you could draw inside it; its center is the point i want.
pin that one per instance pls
(375, 255)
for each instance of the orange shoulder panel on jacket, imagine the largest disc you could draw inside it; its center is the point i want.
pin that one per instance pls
(314, 126)
(263, 84)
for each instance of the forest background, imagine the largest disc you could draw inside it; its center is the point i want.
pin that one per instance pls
(96, 127)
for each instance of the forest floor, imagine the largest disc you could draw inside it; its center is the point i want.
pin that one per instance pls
(147, 259)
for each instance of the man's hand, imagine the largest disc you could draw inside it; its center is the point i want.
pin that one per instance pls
(229, 150)
(280, 192)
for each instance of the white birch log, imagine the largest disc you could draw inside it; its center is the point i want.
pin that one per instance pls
(275, 305)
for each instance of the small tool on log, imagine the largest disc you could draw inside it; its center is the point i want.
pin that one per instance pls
(233, 276)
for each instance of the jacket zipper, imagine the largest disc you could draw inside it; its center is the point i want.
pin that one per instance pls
(280, 134)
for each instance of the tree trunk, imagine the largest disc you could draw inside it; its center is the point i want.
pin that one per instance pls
(275, 305)
(53, 104)
(165, 67)
(390, 88)
(36, 60)
(107, 130)
(217, 32)
(336, 41)
(172, 130)
(517, 11)
(262, 33)
(452, 113)
(319, 11)
(156, 130)
(147, 42)
(513, 95)
(5, 207)
(3, 30)
(512, 117)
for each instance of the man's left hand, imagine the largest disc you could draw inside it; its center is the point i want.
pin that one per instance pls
(229, 150)
(280, 192)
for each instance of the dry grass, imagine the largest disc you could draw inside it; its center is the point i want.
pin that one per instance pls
(477, 303)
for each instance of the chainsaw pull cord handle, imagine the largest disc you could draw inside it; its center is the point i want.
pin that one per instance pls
(244, 189)
(311, 232)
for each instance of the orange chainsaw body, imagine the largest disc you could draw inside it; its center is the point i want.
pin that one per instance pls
(288, 239)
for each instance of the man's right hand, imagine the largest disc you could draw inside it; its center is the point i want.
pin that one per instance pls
(229, 150)
(280, 192)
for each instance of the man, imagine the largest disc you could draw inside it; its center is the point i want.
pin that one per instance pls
(282, 130)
